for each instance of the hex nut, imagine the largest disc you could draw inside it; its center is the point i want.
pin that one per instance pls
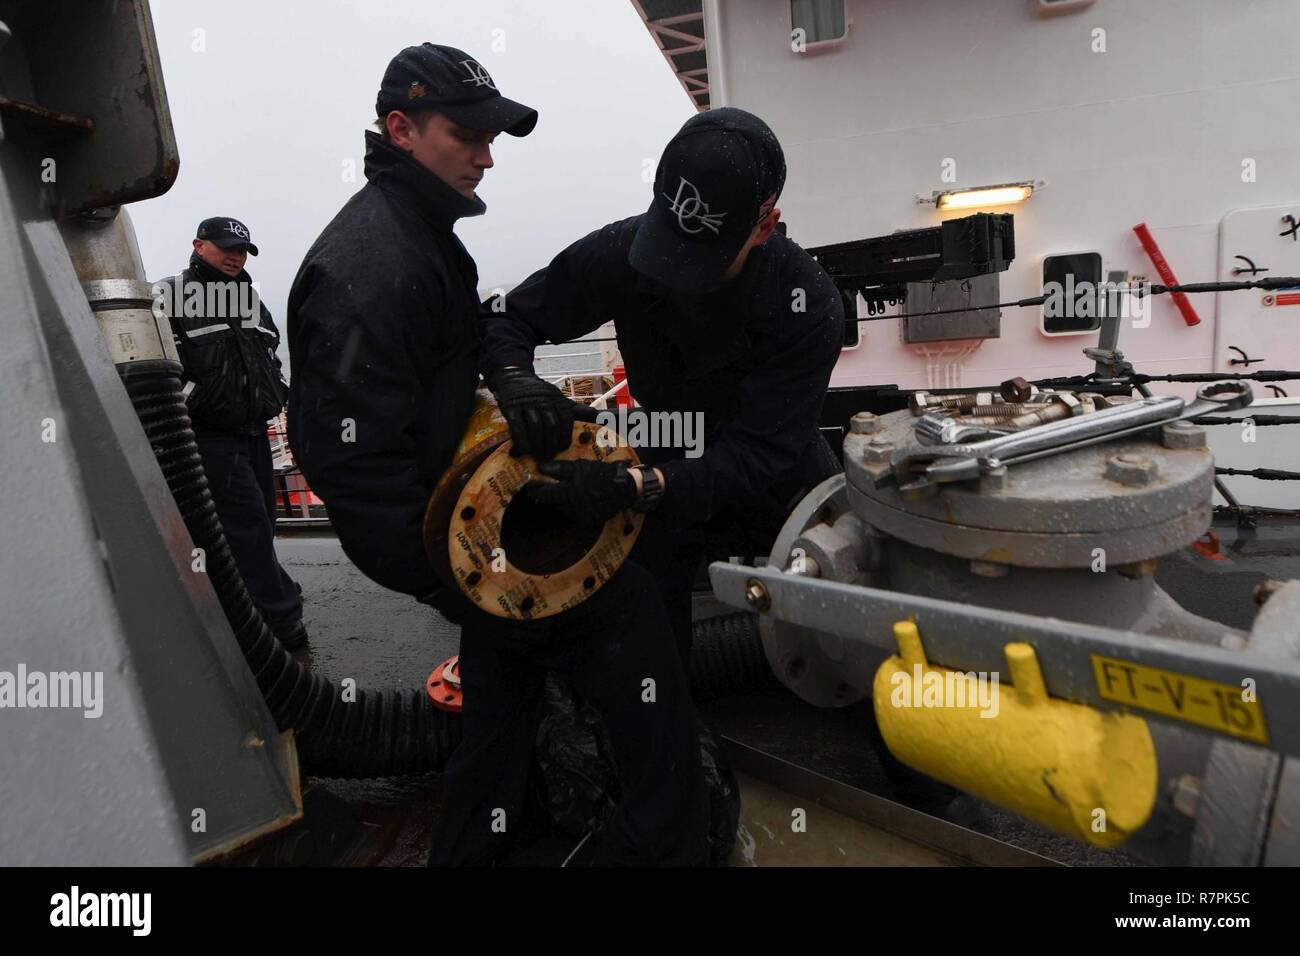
(1182, 435)
(878, 451)
(837, 551)
(864, 423)
(1016, 390)
(1132, 471)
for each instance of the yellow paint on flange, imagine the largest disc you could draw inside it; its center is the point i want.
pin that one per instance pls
(485, 421)
(1087, 774)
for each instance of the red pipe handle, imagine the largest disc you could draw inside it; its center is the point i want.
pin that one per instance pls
(1166, 273)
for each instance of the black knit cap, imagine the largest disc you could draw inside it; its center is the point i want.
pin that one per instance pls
(450, 81)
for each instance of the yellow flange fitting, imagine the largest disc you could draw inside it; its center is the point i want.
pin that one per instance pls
(510, 556)
(1085, 773)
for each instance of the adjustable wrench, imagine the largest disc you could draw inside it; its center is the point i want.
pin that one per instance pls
(935, 428)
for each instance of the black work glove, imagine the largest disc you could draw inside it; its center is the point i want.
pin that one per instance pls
(586, 490)
(539, 415)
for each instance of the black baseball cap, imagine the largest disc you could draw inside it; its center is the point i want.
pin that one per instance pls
(450, 81)
(226, 232)
(717, 178)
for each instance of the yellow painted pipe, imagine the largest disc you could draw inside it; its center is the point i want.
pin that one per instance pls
(1082, 772)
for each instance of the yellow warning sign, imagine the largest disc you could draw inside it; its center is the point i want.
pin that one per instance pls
(1219, 707)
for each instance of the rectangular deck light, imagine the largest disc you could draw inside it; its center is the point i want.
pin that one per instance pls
(1003, 195)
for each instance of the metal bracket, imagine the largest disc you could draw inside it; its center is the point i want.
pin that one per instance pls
(968, 637)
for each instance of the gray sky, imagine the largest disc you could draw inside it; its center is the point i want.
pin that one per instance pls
(267, 114)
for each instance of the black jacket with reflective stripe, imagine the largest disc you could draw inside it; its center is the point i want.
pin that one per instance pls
(383, 347)
(226, 340)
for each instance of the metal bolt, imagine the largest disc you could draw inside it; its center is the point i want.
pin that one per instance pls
(805, 565)
(1265, 590)
(878, 451)
(995, 479)
(921, 402)
(1054, 410)
(863, 423)
(757, 596)
(1016, 390)
(1070, 401)
(1131, 470)
(989, 569)
(1182, 435)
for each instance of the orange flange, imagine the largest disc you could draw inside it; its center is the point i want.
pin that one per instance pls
(444, 686)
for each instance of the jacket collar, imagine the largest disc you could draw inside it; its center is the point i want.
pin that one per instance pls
(207, 273)
(399, 174)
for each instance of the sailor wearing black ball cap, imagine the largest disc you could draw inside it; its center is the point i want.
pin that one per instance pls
(383, 341)
(716, 313)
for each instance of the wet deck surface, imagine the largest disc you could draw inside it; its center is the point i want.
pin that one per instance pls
(383, 639)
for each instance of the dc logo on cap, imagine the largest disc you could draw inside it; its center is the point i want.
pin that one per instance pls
(237, 229)
(477, 75)
(690, 208)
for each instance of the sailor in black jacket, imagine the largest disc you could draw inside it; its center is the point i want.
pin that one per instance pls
(227, 345)
(717, 316)
(384, 335)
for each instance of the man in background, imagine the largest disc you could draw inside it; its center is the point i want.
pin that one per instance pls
(226, 340)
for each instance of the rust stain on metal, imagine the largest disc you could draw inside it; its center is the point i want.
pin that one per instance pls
(40, 116)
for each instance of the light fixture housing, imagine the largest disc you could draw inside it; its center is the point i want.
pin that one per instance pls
(1004, 194)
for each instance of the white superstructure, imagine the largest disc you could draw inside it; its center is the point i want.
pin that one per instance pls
(1181, 114)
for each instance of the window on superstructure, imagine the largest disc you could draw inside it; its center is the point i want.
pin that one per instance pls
(818, 21)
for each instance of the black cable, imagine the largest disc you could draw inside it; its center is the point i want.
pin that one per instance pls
(1260, 420)
(1140, 291)
(1138, 378)
(1249, 511)
(1263, 375)
(371, 734)
(1263, 474)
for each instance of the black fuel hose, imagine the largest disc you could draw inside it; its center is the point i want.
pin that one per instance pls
(727, 657)
(376, 734)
